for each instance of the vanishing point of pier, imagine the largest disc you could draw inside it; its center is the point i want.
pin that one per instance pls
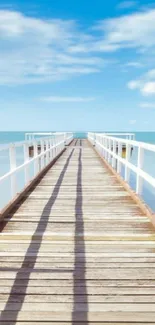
(77, 245)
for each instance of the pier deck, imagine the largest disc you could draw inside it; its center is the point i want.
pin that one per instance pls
(77, 250)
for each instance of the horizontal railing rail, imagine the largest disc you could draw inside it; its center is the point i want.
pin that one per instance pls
(111, 149)
(30, 136)
(129, 136)
(39, 152)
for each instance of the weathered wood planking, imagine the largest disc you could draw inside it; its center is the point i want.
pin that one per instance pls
(77, 250)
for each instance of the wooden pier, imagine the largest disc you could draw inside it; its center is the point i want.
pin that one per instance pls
(77, 249)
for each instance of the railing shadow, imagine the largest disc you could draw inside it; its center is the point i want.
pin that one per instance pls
(41, 228)
(79, 247)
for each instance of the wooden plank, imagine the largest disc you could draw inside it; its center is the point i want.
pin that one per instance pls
(65, 323)
(104, 291)
(45, 259)
(52, 236)
(67, 308)
(79, 283)
(85, 316)
(38, 299)
(70, 265)
(117, 273)
(77, 250)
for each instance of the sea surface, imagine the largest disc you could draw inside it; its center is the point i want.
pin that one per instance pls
(148, 193)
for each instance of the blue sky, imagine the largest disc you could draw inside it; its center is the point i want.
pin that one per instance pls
(77, 65)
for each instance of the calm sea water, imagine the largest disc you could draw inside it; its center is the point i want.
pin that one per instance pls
(149, 165)
(7, 137)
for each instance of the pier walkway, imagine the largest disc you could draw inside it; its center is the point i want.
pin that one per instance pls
(77, 249)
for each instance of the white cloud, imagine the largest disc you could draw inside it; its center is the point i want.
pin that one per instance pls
(132, 122)
(147, 105)
(134, 30)
(41, 50)
(145, 84)
(151, 74)
(94, 46)
(15, 24)
(36, 50)
(59, 99)
(134, 84)
(148, 88)
(127, 4)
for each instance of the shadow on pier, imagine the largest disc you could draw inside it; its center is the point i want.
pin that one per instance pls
(79, 247)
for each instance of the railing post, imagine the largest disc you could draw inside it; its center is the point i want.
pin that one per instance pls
(26, 159)
(47, 152)
(94, 141)
(58, 147)
(51, 151)
(113, 158)
(12, 153)
(139, 182)
(42, 157)
(109, 147)
(65, 139)
(36, 162)
(119, 164)
(54, 147)
(102, 141)
(103, 151)
(127, 170)
(64, 142)
(100, 144)
(106, 145)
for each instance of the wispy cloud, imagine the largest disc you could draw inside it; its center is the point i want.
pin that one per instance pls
(134, 64)
(36, 50)
(41, 50)
(127, 4)
(134, 30)
(147, 105)
(132, 122)
(59, 99)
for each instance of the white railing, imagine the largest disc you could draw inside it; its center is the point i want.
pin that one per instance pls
(111, 149)
(127, 136)
(39, 152)
(30, 136)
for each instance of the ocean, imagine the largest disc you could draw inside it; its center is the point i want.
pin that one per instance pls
(7, 137)
(148, 193)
